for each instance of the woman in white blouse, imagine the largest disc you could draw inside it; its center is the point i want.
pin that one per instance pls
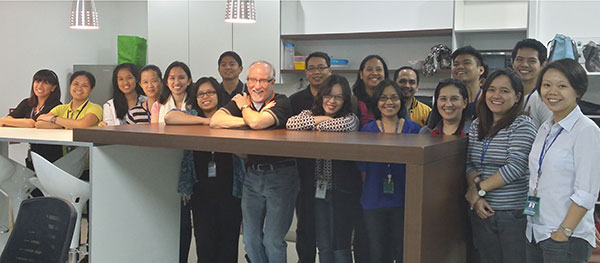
(176, 85)
(126, 95)
(564, 182)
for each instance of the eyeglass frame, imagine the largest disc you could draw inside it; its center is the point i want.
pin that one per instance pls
(259, 81)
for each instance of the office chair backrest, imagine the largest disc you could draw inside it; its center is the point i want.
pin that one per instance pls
(42, 232)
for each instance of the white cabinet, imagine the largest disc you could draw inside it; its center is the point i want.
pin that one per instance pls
(195, 32)
(489, 24)
(350, 16)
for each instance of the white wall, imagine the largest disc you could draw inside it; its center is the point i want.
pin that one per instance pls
(577, 19)
(346, 16)
(194, 32)
(36, 35)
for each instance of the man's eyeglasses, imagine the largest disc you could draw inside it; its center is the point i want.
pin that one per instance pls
(259, 81)
(206, 94)
(319, 68)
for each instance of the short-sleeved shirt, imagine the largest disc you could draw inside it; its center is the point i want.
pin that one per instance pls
(23, 110)
(302, 100)
(419, 112)
(137, 114)
(65, 111)
(280, 112)
(373, 196)
(238, 90)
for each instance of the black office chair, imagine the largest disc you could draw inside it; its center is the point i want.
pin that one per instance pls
(42, 232)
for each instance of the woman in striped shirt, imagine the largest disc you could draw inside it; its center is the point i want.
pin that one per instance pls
(497, 174)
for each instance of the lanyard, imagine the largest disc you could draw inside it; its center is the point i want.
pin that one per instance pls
(389, 166)
(543, 155)
(475, 101)
(528, 96)
(485, 145)
(31, 114)
(147, 111)
(77, 117)
(397, 125)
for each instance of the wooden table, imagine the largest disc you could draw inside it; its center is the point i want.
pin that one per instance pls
(135, 170)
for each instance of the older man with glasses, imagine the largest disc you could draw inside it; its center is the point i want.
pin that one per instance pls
(271, 184)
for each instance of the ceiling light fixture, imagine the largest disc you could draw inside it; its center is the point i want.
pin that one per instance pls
(84, 15)
(240, 11)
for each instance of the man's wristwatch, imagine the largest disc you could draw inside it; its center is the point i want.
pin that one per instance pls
(568, 232)
(244, 107)
(480, 191)
(53, 120)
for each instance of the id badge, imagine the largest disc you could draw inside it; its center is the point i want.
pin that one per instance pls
(532, 207)
(388, 185)
(212, 169)
(321, 190)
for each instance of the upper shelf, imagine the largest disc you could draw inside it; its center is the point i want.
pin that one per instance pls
(351, 71)
(363, 35)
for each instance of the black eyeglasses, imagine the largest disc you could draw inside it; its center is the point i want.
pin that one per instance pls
(206, 94)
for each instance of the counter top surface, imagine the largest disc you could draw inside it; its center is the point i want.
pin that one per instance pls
(43, 136)
(356, 146)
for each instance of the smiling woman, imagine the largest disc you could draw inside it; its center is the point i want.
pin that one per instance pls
(176, 83)
(564, 185)
(44, 96)
(450, 114)
(126, 95)
(80, 112)
(371, 72)
(382, 197)
(336, 183)
(497, 175)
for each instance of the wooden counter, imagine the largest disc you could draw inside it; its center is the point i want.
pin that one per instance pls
(355, 146)
(435, 214)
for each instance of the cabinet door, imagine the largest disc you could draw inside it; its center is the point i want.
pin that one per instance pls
(209, 36)
(259, 41)
(319, 17)
(167, 32)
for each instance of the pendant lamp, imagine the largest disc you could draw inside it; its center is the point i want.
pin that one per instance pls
(240, 11)
(84, 15)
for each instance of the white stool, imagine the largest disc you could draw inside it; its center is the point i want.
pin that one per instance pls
(58, 183)
(14, 184)
(73, 163)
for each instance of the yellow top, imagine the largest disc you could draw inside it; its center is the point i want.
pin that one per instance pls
(65, 111)
(419, 112)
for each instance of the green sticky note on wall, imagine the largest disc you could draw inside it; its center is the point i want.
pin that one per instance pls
(132, 49)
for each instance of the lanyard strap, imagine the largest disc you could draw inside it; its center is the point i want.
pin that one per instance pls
(485, 144)
(397, 125)
(33, 112)
(475, 101)
(528, 96)
(543, 155)
(77, 117)
(147, 110)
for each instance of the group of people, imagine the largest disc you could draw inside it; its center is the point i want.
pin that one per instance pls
(529, 170)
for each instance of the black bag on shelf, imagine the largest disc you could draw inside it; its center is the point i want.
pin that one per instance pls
(591, 53)
(438, 58)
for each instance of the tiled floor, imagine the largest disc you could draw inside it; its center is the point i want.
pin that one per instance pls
(292, 257)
